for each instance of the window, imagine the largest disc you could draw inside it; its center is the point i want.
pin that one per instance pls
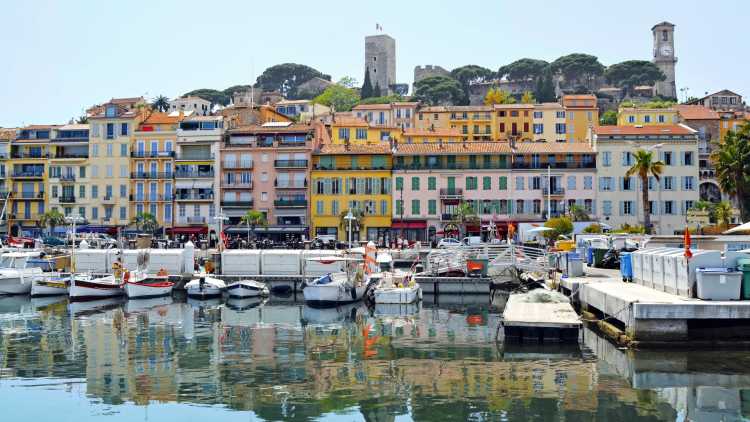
(631, 119)
(605, 184)
(519, 183)
(431, 183)
(560, 114)
(123, 191)
(661, 118)
(668, 207)
(95, 150)
(399, 183)
(94, 191)
(123, 150)
(415, 183)
(627, 159)
(667, 158)
(535, 183)
(123, 213)
(503, 183)
(647, 119)
(383, 207)
(471, 183)
(110, 130)
(571, 182)
(486, 183)
(168, 212)
(432, 207)
(538, 114)
(82, 172)
(344, 133)
(109, 171)
(109, 150)
(588, 182)
(82, 212)
(687, 158)
(688, 183)
(559, 128)
(664, 35)
(361, 133)
(668, 183)
(627, 207)
(626, 183)
(399, 207)
(94, 213)
(82, 191)
(606, 158)
(538, 128)
(124, 129)
(54, 191)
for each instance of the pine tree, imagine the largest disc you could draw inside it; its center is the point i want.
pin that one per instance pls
(376, 92)
(548, 88)
(366, 85)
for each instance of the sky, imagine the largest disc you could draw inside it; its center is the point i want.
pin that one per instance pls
(60, 57)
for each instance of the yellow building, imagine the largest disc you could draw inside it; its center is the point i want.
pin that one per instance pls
(581, 114)
(731, 121)
(474, 123)
(353, 177)
(152, 167)
(549, 123)
(353, 130)
(68, 175)
(513, 121)
(29, 154)
(630, 116)
(431, 136)
(107, 185)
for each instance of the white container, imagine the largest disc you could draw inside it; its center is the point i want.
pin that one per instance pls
(636, 258)
(317, 268)
(241, 262)
(281, 262)
(686, 277)
(171, 260)
(658, 262)
(95, 260)
(647, 274)
(718, 283)
(670, 270)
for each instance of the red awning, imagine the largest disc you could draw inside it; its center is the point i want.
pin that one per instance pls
(188, 230)
(421, 224)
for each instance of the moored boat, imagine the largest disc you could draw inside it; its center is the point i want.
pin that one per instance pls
(333, 289)
(16, 275)
(50, 285)
(140, 285)
(247, 288)
(84, 286)
(205, 287)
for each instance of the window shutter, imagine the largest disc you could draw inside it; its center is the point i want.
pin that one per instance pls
(622, 207)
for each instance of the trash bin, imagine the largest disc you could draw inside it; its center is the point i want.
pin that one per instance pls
(590, 255)
(574, 265)
(599, 256)
(626, 266)
(718, 283)
(743, 264)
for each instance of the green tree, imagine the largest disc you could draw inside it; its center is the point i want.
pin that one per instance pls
(338, 97)
(464, 214)
(562, 227)
(469, 74)
(52, 219)
(287, 77)
(146, 222)
(348, 82)
(629, 74)
(644, 166)
(593, 229)
(386, 99)
(366, 91)
(731, 159)
(498, 96)
(577, 68)
(161, 103)
(544, 90)
(609, 117)
(376, 91)
(528, 98)
(523, 70)
(578, 213)
(253, 219)
(723, 212)
(82, 120)
(216, 97)
(438, 90)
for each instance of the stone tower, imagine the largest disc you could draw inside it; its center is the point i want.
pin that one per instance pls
(380, 61)
(664, 58)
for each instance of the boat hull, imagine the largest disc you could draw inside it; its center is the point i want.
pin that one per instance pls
(49, 287)
(241, 289)
(139, 290)
(204, 293)
(15, 286)
(409, 294)
(332, 294)
(86, 290)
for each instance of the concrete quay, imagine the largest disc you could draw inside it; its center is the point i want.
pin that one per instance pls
(648, 316)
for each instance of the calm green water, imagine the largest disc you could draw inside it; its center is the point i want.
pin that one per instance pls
(165, 360)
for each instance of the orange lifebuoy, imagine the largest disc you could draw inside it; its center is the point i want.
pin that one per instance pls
(127, 276)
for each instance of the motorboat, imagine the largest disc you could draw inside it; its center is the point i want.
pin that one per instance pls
(247, 288)
(334, 289)
(394, 285)
(87, 286)
(140, 285)
(50, 285)
(204, 287)
(16, 275)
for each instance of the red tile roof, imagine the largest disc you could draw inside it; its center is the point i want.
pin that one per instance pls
(433, 132)
(342, 149)
(293, 128)
(453, 148)
(696, 112)
(349, 121)
(372, 107)
(161, 118)
(553, 148)
(644, 130)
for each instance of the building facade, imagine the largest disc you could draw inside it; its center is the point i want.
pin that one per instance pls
(664, 58)
(630, 116)
(197, 105)
(619, 197)
(707, 125)
(380, 61)
(30, 156)
(581, 114)
(68, 171)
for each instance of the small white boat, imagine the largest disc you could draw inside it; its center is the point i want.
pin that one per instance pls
(50, 285)
(16, 275)
(85, 286)
(205, 287)
(247, 288)
(396, 287)
(140, 285)
(333, 289)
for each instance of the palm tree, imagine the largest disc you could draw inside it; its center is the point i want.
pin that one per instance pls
(160, 103)
(463, 214)
(578, 213)
(723, 212)
(253, 219)
(731, 160)
(52, 219)
(82, 120)
(146, 222)
(644, 166)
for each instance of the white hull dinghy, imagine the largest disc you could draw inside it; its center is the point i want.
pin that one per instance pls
(83, 287)
(397, 287)
(247, 288)
(50, 285)
(140, 285)
(333, 289)
(16, 276)
(205, 287)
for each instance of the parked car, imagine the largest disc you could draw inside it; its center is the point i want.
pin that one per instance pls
(448, 242)
(472, 241)
(53, 241)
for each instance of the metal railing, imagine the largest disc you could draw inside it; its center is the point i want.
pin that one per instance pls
(196, 220)
(553, 191)
(152, 154)
(151, 175)
(237, 165)
(283, 203)
(27, 173)
(290, 163)
(237, 185)
(451, 192)
(68, 177)
(195, 197)
(194, 173)
(194, 157)
(232, 203)
(68, 199)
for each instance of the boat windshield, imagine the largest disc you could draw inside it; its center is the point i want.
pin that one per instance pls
(6, 262)
(19, 262)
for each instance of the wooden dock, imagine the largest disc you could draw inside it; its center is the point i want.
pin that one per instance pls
(534, 322)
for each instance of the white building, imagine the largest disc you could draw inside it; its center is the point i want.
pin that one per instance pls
(302, 110)
(197, 105)
(620, 198)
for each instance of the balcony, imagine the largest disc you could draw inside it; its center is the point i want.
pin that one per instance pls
(347, 168)
(152, 154)
(446, 217)
(195, 197)
(290, 203)
(195, 156)
(287, 164)
(242, 165)
(553, 192)
(451, 166)
(151, 175)
(70, 157)
(67, 177)
(67, 199)
(196, 220)
(151, 198)
(290, 185)
(108, 199)
(28, 195)
(193, 174)
(29, 155)
(236, 185)
(35, 174)
(451, 193)
(237, 203)
(557, 165)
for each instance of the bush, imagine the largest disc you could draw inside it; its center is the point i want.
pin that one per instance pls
(593, 229)
(562, 226)
(628, 229)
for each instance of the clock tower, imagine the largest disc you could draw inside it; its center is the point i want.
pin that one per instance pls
(664, 58)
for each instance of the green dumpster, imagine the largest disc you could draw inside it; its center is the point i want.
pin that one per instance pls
(599, 256)
(743, 264)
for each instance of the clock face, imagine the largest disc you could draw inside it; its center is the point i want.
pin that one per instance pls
(666, 51)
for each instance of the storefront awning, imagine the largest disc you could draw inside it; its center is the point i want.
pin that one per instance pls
(414, 224)
(268, 229)
(188, 230)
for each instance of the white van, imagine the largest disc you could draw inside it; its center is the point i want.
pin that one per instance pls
(472, 241)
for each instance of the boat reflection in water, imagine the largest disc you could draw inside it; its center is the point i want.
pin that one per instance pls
(285, 361)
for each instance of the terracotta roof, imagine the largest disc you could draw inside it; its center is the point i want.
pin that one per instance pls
(37, 127)
(453, 148)
(7, 133)
(125, 100)
(293, 128)
(406, 103)
(433, 132)
(644, 130)
(349, 121)
(579, 97)
(438, 109)
(161, 118)
(336, 149)
(553, 148)
(372, 107)
(507, 106)
(696, 112)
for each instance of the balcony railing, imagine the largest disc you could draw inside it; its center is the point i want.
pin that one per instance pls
(194, 157)
(28, 173)
(290, 203)
(237, 185)
(76, 156)
(107, 198)
(290, 184)
(318, 167)
(560, 165)
(152, 154)
(68, 177)
(194, 173)
(196, 220)
(451, 166)
(451, 192)
(68, 199)
(237, 165)
(151, 198)
(195, 197)
(29, 155)
(151, 175)
(237, 203)
(28, 195)
(290, 163)
(553, 191)
(446, 217)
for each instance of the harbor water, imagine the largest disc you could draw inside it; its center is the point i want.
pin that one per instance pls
(179, 360)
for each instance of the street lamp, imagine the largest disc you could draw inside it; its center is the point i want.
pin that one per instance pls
(73, 219)
(349, 217)
(221, 217)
